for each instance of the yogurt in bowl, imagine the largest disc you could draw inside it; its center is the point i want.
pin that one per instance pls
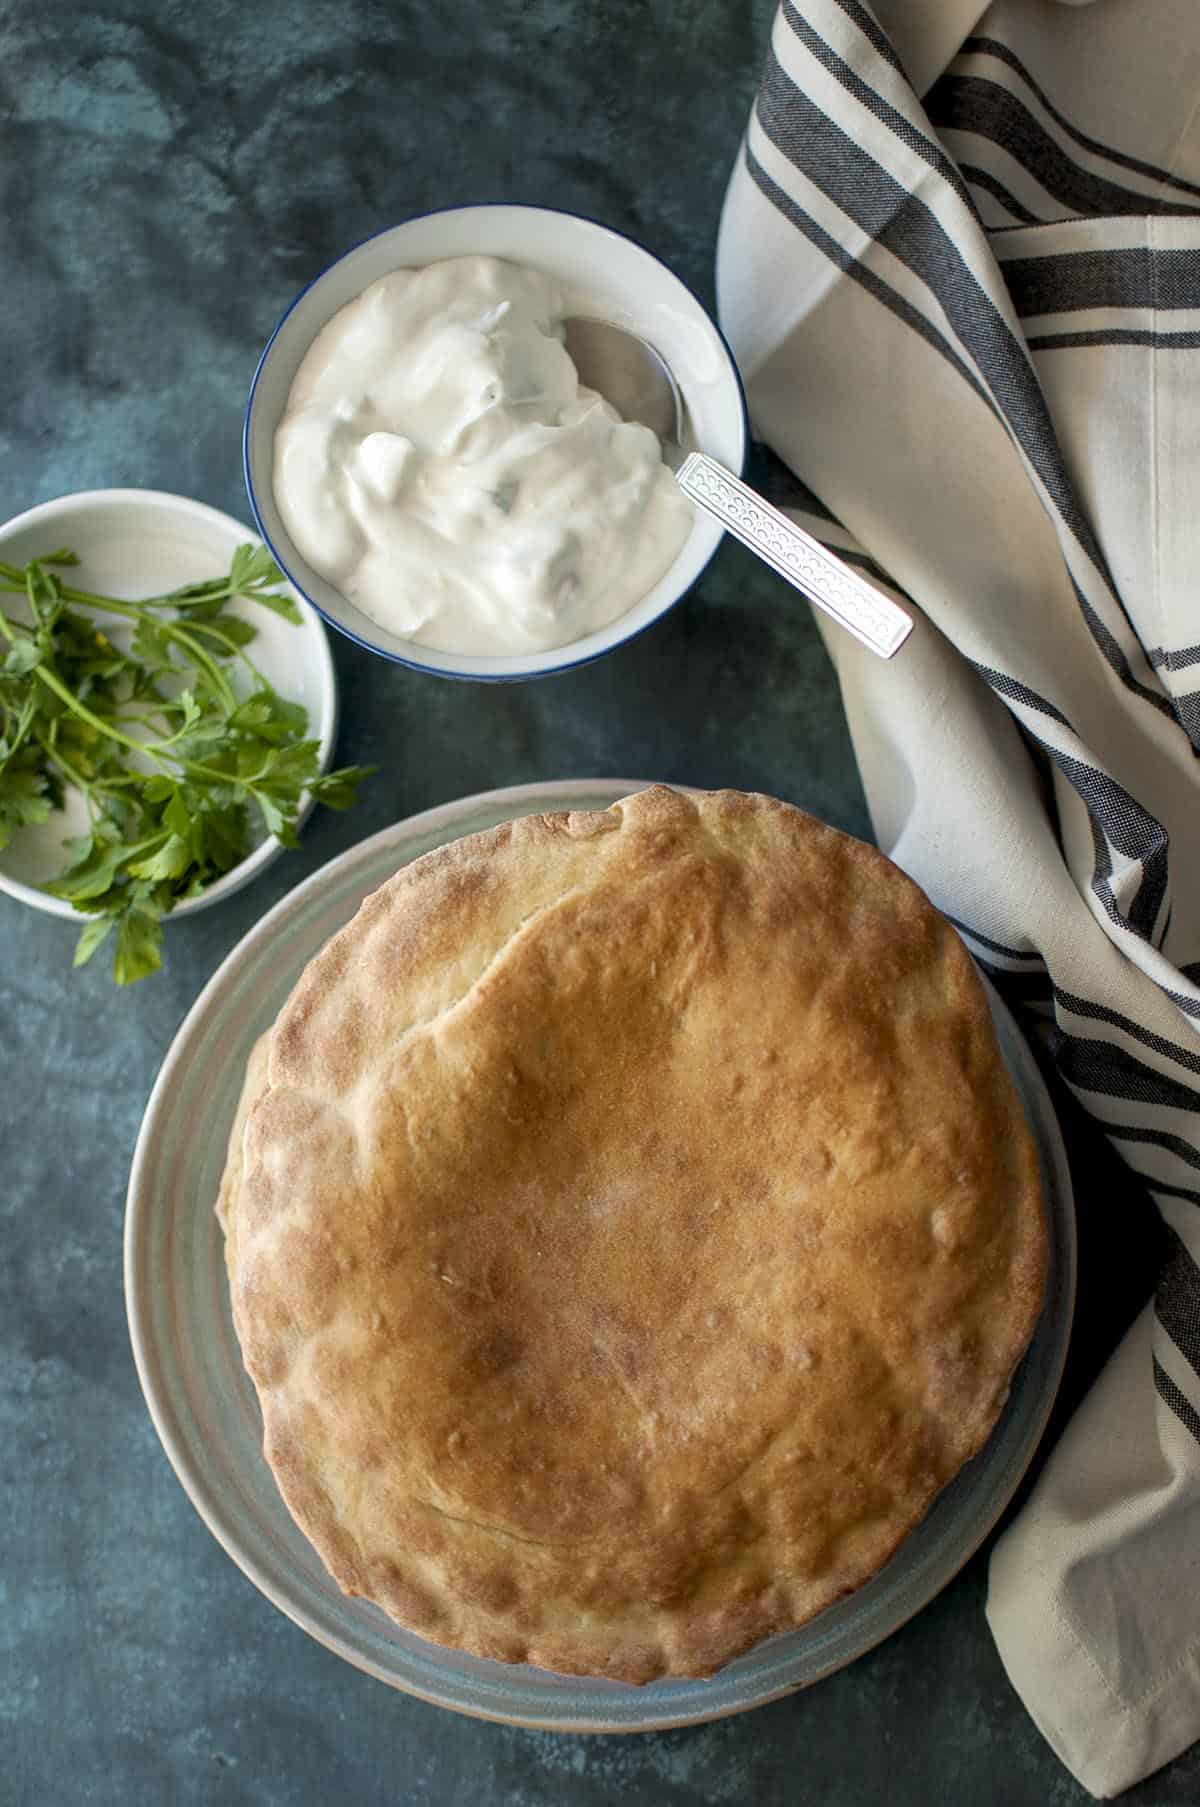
(418, 380)
(440, 463)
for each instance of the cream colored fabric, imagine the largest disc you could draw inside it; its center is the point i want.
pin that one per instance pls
(1093, 1592)
(960, 267)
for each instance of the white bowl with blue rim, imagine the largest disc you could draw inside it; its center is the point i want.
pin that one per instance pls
(630, 287)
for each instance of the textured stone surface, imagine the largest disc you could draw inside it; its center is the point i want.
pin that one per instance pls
(171, 174)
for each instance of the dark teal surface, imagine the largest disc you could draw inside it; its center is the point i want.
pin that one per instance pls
(171, 175)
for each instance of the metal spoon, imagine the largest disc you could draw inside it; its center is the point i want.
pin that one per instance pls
(631, 375)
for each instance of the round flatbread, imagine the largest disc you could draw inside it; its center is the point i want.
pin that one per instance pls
(632, 1226)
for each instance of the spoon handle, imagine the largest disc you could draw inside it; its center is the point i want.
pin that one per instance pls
(815, 571)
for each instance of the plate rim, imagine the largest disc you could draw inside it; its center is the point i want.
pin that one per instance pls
(444, 816)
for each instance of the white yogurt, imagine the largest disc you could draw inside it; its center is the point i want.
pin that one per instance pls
(440, 464)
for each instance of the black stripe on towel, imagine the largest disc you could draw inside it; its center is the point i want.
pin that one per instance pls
(1116, 817)
(1177, 1297)
(982, 46)
(1016, 692)
(1112, 1072)
(983, 179)
(1178, 1401)
(1072, 281)
(998, 947)
(1174, 658)
(987, 109)
(872, 31)
(1103, 1013)
(1129, 828)
(1110, 646)
(1186, 1192)
(1113, 335)
(1178, 1146)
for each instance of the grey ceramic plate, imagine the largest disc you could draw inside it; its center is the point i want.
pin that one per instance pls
(205, 1411)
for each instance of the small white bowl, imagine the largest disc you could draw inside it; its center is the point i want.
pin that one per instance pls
(142, 542)
(628, 285)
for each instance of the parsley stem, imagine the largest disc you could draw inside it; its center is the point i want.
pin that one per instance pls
(24, 723)
(82, 785)
(205, 660)
(138, 746)
(206, 627)
(84, 713)
(129, 611)
(12, 578)
(136, 611)
(31, 595)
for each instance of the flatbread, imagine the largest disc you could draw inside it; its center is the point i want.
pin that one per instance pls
(632, 1227)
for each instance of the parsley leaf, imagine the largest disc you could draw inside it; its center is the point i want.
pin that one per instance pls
(139, 946)
(21, 658)
(24, 797)
(94, 935)
(338, 790)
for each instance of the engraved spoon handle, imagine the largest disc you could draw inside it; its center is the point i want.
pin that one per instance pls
(815, 571)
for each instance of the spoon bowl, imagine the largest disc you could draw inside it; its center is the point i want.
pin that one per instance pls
(631, 375)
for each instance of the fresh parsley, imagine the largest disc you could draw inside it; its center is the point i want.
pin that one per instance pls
(178, 744)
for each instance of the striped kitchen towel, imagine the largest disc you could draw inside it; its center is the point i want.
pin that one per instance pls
(960, 267)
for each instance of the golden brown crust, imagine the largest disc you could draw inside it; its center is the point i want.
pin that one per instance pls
(632, 1231)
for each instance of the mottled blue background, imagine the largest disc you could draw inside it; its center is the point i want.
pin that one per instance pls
(171, 175)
